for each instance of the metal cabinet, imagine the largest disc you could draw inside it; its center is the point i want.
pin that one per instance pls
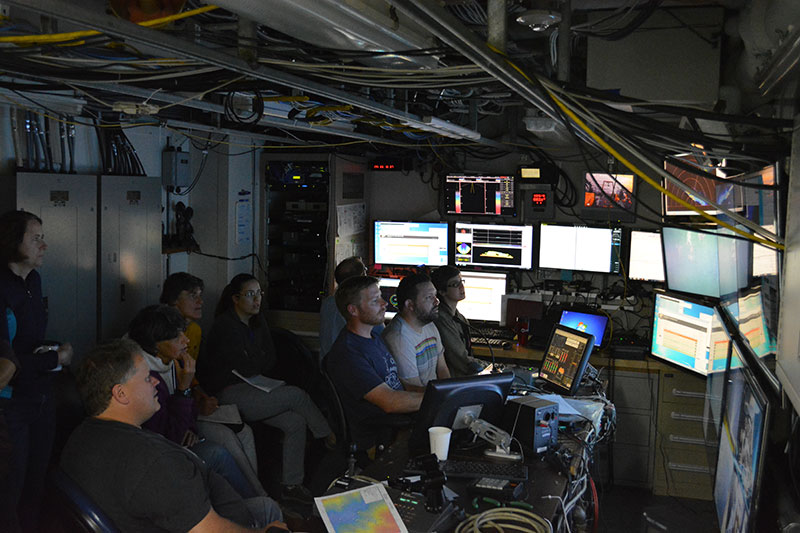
(130, 250)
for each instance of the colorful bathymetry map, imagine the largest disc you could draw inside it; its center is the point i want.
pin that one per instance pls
(365, 510)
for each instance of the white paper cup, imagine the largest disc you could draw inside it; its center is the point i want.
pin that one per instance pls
(440, 441)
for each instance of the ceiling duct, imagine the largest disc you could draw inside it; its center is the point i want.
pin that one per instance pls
(369, 25)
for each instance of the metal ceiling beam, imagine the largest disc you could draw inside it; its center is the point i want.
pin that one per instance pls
(97, 20)
(437, 20)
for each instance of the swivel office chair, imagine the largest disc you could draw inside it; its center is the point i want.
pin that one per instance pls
(72, 509)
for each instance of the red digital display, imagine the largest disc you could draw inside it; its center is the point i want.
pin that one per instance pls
(539, 199)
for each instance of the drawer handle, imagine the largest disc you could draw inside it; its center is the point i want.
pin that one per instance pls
(688, 394)
(689, 418)
(689, 468)
(690, 440)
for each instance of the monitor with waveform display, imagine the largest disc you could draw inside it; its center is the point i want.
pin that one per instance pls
(479, 195)
(493, 245)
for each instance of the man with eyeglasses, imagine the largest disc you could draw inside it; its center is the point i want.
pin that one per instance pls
(452, 325)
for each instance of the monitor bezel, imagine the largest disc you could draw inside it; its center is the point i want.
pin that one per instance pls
(375, 244)
(493, 216)
(617, 229)
(613, 213)
(629, 250)
(491, 266)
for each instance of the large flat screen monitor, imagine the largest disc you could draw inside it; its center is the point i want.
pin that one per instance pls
(410, 243)
(448, 401)
(609, 197)
(682, 333)
(494, 245)
(646, 262)
(580, 248)
(742, 447)
(707, 264)
(484, 300)
(480, 195)
(565, 359)
(590, 323)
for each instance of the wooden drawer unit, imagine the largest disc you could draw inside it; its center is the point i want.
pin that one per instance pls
(683, 470)
(678, 386)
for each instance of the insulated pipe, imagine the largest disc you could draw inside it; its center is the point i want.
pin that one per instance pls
(564, 37)
(497, 24)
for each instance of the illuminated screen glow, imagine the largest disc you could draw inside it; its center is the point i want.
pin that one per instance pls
(580, 248)
(646, 259)
(484, 296)
(411, 243)
(479, 195)
(587, 322)
(495, 245)
(682, 334)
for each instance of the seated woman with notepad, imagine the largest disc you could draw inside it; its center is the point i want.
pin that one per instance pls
(158, 329)
(234, 365)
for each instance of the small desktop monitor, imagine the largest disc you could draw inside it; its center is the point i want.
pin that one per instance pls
(682, 334)
(580, 248)
(388, 288)
(448, 401)
(609, 197)
(479, 195)
(752, 322)
(590, 323)
(484, 296)
(493, 245)
(410, 243)
(565, 359)
(742, 448)
(646, 262)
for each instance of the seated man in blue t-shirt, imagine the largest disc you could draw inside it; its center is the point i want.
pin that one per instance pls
(360, 365)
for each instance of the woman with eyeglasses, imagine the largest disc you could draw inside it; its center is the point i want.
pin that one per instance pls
(240, 342)
(453, 326)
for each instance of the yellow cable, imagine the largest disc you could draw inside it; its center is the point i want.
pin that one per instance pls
(608, 148)
(71, 36)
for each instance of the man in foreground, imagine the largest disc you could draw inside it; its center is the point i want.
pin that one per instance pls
(360, 365)
(141, 480)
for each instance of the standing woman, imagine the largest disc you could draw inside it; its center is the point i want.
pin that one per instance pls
(240, 340)
(30, 412)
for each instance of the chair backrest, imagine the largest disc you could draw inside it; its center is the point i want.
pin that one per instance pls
(296, 363)
(78, 507)
(337, 409)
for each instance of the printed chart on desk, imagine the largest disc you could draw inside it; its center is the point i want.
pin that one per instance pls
(368, 509)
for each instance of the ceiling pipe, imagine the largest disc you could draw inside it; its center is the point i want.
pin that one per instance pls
(91, 18)
(497, 24)
(563, 44)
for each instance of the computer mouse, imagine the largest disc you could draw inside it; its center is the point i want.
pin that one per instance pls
(506, 345)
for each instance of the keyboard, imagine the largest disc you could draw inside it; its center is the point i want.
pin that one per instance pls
(490, 341)
(496, 333)
(478, 469)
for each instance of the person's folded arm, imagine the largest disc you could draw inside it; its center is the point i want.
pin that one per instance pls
(214, 523)
(394, 401)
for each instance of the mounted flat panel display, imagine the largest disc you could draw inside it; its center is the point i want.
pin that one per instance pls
(591, 323)
(646, 260)
(703, 185)
(410, 243)
(708, 264)
(609, 197)
(388, 288)
(495, 245)
(480, 195)
(484, 300)
(688, 334)
(580, 248)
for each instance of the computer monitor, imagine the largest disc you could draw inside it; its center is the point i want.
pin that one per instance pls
(645, 262)
(410, 243)
(703, 185)
(388, 288)
(753, 322)
(609, 197)
(708, 264)
(479, 195)
(565, 359)
(484, 296)
(494, 245)
(590, 323)
(580, 248)
(682, 332)
(742, 448)
(447, 401)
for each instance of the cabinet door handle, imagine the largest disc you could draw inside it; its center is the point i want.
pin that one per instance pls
(690, 440)
(688, 394)
(689, 468)
(688, 418)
